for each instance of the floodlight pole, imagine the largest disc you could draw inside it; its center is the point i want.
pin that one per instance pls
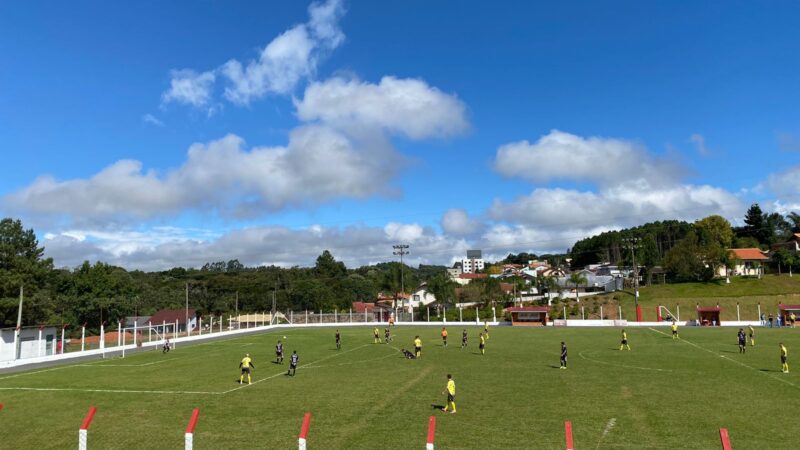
(402, 250)
(18, 330)
(632, 244)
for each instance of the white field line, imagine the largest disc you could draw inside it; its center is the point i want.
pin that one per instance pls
(783, 380)
(115, 391)
(581, 354)
(609, 427)
(126, 365)
(302, 366)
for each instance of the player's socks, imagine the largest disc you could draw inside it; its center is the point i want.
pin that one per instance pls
(241, 378)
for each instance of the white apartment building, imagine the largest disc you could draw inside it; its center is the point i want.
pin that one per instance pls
(473, 262)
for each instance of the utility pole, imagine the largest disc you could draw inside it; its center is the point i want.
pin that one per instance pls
(402, 250)
(17, 335)
(633, 244)
(187, 308)
(272, 317)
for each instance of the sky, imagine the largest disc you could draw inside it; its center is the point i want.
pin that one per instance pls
(153, 135)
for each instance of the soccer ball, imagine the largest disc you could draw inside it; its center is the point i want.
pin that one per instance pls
(284, 337)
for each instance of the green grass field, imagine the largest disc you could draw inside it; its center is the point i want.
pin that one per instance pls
(662, 394)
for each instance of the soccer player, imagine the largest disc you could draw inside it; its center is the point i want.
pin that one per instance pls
(784, 356)
(417, 346)
(376, 335)
(752, 334)
(675, 330)
(166, 346)
(387, 335)
(246, 365)
(451, 394)
(792, 319)
(464, 339)
(563, 355)
(624, 343)
(408, 354)
(338, 340)
(293, 363)
(742, 341)
(482, 344)
(279, 352)
(486, 328)
(444, 336)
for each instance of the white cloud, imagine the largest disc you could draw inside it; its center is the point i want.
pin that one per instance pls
(788, 142)
(318, 164)
(457, 222)
(785, 183)
(286, 60)
(189, 87)
(264, 245)
(699, 144)
(152, 120)
(564, 156)
(405, 106)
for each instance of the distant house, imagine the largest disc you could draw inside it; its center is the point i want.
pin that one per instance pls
(793, 244)
(465, 278)
(421, 297)
(748, 262)
(171, 316)
(29, 344)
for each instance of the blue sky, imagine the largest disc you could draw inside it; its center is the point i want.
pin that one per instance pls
(355, 125)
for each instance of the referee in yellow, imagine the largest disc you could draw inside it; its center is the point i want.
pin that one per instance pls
(417, 346)
(784, 358)
(246, 365)
(451, 395)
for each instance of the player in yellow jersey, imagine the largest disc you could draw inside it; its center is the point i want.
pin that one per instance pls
(246, 365)
(482, 344)
(784, 359)
(376, 335)
(451, 395)
(624, 343)
(417, 346)
(675, 330)
(486, 329)
(444, 336)
(752, 334)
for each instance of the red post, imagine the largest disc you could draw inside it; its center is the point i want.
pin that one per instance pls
(568, 433)
(304, 431)
(1, 406)
(638, 313)
(726, 440)
(431, 432)
(193, 421)
(88, 419)
(658, 313)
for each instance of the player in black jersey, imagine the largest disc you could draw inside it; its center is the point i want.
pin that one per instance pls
(464, 339)
(293, 363)
(563, 355)
(742, 341)
(279, 353)
(338, 340)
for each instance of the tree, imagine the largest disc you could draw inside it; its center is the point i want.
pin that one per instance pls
(714, 238)
(577, 279)
(21, 260)
(682, 262)
(442, 288)
(328, 267)
(794, 220)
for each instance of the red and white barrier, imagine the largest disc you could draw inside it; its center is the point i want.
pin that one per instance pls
(725, 439)
(301, 441)
(568, 434)
(189, 436)
(431, 432)
(1, 406)
(84, 431)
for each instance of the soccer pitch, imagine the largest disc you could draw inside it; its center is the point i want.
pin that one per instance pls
(661, 394)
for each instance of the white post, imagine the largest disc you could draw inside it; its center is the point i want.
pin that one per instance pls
(103, 339)
(135, 332)
(565, 313)
(351, 315)
(460, 314)
(601, 312)
(123, 344)
(176, 332)
(583, 314)
(40, 342)
(738, 317)
(62, 340)
(494, 314)
(83, 338)
(220, 323)
(620, 312)
(429, 313)
(335, 315)
(678, 312)
(200, 326)
(119, 335)
(365, 316)
(477, 318)
(444, 316)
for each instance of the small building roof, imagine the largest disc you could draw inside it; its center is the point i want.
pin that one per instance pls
(749, 254)
(789, 307)
(709, 309)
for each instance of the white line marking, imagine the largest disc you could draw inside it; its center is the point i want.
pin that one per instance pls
(609, 426)
(117, 391)
(127, 365)
(734, 360)
(581, 354)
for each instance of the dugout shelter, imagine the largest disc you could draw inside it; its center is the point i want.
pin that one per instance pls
(528, 315)
(786, 310)
(708, 316)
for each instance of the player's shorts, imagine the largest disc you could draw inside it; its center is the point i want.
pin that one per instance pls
(783, 359)
(451, 397)
(674, 331)
(624, 342)
(417, 349)
(293, 366)
(279, 354)
(481, 346)
(564, 360)
(246, 370)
